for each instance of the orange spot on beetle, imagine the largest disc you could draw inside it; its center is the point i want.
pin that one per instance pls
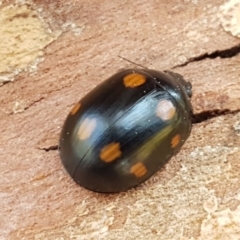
(138, 169)
(110, 152)
(165, 110)
(134, 80)
(75, 108)
(175, 141)
(86, 128)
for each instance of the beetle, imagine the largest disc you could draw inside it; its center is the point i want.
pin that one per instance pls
(125, 129)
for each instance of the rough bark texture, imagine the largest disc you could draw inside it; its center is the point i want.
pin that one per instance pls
(197, 194)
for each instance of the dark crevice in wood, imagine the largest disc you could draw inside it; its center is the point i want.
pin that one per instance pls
(34, 102)
(25, 108)
(206, 115)
(196, 118)
(226, 53)
(38, 101)
(51, 148)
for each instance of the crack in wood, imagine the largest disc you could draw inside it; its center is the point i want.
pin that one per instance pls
(33, 103)
(26, 107)
(206, 115)
(196, 118)
(50, 148)
(39, 100)
(226, 53)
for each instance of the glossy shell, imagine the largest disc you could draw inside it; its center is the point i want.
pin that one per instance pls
(126, 129)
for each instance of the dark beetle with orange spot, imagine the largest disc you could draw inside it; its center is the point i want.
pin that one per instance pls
(126, 129)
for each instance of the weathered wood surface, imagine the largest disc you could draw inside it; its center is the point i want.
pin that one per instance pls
(197, 194)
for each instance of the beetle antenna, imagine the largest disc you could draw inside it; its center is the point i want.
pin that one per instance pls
(132, 62)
